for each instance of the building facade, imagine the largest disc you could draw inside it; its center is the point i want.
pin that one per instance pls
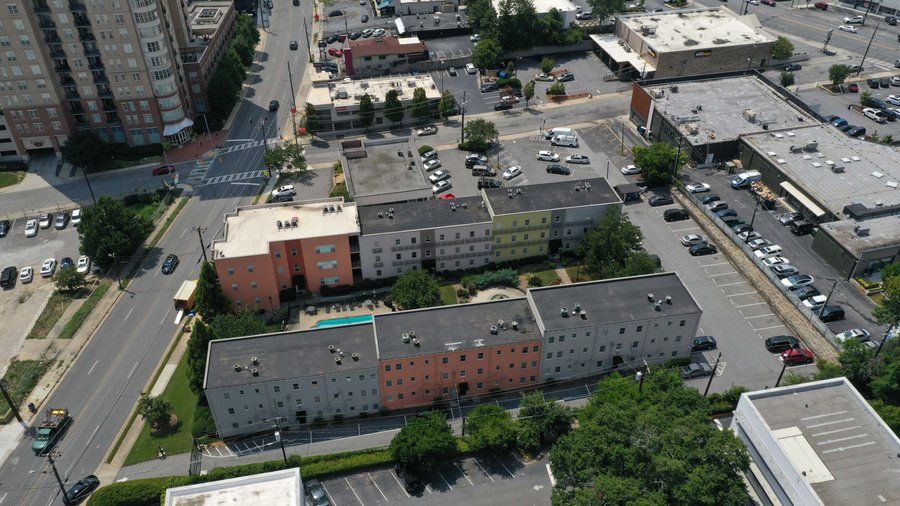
(376, 56)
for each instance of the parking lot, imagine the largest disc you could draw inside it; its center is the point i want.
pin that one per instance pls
(488, 479)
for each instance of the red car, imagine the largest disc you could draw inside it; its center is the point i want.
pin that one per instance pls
(333, 51)
(821, 6)
(853, 88)
(768, 2)
(163, 170)
(795, 356)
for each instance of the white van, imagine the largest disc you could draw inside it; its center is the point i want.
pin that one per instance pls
(744, 179)
(553, 132)
(565, 140)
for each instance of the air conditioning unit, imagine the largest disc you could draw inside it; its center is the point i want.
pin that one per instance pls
(837, 169)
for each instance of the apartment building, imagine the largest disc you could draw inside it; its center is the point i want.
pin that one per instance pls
(113, 67)
(435, 235)
(600, 326)
(545, 219)
(292, 378)
(449, 352)
(287, 247)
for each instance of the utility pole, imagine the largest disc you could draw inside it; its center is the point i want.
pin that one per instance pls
(822, 309)
(293, 102)
(713, 374)
(4, 385)
(308, 40)
(88, 181)
(827, 39)
(200, 231)
(62, 488)
(281, 441)
(872, 38)
(884, 339)
(462, 124)
(677, 156)
(755, 209)
(783, 367)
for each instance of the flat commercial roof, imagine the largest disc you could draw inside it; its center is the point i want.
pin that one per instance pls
(426, 214)
(610, 45)
(550, 196)
(691, 30)
(826, 436)
(277, 488)
(717, 110)
(288, 355)
(612, 301)
(883, 232)
(346, 94)
(544, 6)
(250, 229)
(377, 169)
(867, 173)
(454, 328)
(386, 46)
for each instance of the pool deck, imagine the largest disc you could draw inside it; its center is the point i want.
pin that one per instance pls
(310, 321)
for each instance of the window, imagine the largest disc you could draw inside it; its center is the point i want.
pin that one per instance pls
(480, 371)
(277, 389)
(327, 265)
(445, 360)
(462, 358)
(639, 328)
(328, 248)
(398, 367)
(13, 9)
(681, 323)
(525, 349)
(481, 356)
(634, 344)
(389, 383)
(622, 330)
(296, 386)
(250, 268)
(315, 384)
(551, 339)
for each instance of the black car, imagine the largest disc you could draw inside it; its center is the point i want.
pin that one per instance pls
(806, 292)
(411, 481)
(780, 343)
(792, 67)
(273, 106)
(283, 198)
(877, 103)
(335, 13)
(660, 200)
(4, 227)
(846, 128)
(709, 199)
(169, 264)
(8, 277)
(473, 160)
(703, 248)
(66, 263)
(487, 182)
(743, 227)
(675, 215)
(355, 35)
(556, 168)
(331, 39)
(831, 314)
(856, 132)
(486, 87)
(891, 20)
(502, 106)
(701, 343)
(294, 45)
(81, 490)
(296, 2)
(724, 213)
(364, 18)
(873, 83)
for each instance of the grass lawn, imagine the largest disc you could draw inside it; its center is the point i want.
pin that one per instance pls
(548, 276)
(22, 376)
(11, 178)
(448, 295)
(83, 312)
(53, 311)
(184, 401)
(577, 273)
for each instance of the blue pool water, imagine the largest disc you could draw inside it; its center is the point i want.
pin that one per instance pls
(343, 321)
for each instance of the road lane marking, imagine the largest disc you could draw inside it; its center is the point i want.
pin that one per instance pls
(377, 487)
(89, 372)
(4, 497)
(129, 314)
(97, 428)
(464, 474)
(133, 369)
(511, 475)
(354, 491)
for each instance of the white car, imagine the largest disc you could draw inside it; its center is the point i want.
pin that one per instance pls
(76, 217)
(470, 68)
(853, 20)
(31, 228)
(26, 275)
(512, 172)
(815, 302)
(582, 159)
(48, 267)
(893, 99)
(698, 187)
(895, 81)
(768, 251)
(547, 156)
(439, 176)
(430, 165)
(630, 169)
(769, 262)
(475, 38)
(753, 2)
(429, 130)
(858, 334)
(84, 264)
(287, 190)
(46, 220)
(749, 235)
(755, 244)
(847, 28)
(441, 186)
(691, 239)
(378, 32)
(544, 77)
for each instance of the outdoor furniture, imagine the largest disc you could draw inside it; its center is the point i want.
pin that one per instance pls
(369, 303)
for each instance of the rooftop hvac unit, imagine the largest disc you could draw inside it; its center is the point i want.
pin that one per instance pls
(405, 337)
(749, 115)
(796, 149)
(861, 231)
(363, 84)
(254, 371)
(811, 146)
(837, 169)
(355, 356)
(693, 129)
(237, 367)
(341, 94)
(411, 83)
(254, 360)
(337, 360)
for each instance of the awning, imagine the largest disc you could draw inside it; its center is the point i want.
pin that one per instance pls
(401, 28)
(805, 201)
(384, 4)
(177, 127)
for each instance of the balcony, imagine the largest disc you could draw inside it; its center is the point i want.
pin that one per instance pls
(62, 69)
(41, 7)
(104, 93)
(46, 23)
(86, 37)
(72, 96)
(113, 118)
(356, 264)
(81, 21)
(57, 53)
(95, 65)
(77, 7)
(52, 39)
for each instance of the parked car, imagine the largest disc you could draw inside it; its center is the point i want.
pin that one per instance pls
(755, 244)
(364, 18)
(548, 156)
(838, 122)
(488, 87)
(45, 220)
(822, 6)
(169, 264)
(691, 239)
(743, 227)
(698, 187)
(853, 88)
(379, 32)
(853, 20)
(432, 164)
(630, 170)
(793, 67)
(676, 214)
(806, 292)
(62, 220)
(660, 200)
(545, 78)
(831, 314)
(335, 13)
(81, 490)
(730, 217)
(470, 68)
(770, 3)
(316, 493)
(853, 334)
(556, 168)
(31, 228)
(695, 371)
(66, 263)
(749, 235)
(273, 105)
(333, 51)
(429, 130)
(796, 356)
(84, 264)
(703, 248)
(701, 343)
(5, 225)
(848, 28)
(26, 275)
(717, 206)
(475, 38)
(856, 132)
(780, 343)
(769, 262)
(796, 281)
(287, 189)
(768, 251)
(48, 267)
(8, 277)
(788, 218)
(566, 76)
(410, 480)
(473, 160)
(784, 270)
(706, 199)
(429, 155)
(815, 303)
(502, 106)
(487, 182)
(439, 176)
(441, 186)
(579, 159)
(511, 172)
(874, 114)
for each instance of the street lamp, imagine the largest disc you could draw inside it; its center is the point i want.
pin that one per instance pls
(442, 75)
(752, 219)
(715, 367)
(872, 38)
(462, 123)
(281, 441)
(884, 339)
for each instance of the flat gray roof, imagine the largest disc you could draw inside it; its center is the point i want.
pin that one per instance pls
(422, 214)
(870, 174)
(452, 328)
(829, 432)
(613, 300)
(697, 29)
(288, 355)
(717, 110)
(883, 232)
(549, 196)
(382, 171)
(276, 488)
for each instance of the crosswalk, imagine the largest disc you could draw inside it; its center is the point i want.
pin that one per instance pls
(197, 176)
(228, 178)
(199, 170)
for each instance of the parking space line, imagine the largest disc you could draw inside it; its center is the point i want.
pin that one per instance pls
(483, 469)
(511, 475)
(751, 304)
(354, 492)
(722, 274)
(401, 485)
(768, 328)
(683, 229)
(328, 494)
(445, 480)
(738, 294)
(758, 316)
(464, 474)
(717, 263)
(377, 487)
(736, 283)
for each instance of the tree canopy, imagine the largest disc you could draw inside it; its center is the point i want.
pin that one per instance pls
(528, 92)
(226, 81)
(486, 53)
(610, 249)
(366, 111)
(84, 149)
(311, 121)
(211, 300)
(288, 155)
(490, 427)
(541, 421)
(415, 289)
(423, 443)
(108, 230)
(156, 411)
(242, 323)
(420, 107)
(480, 131)
(838, 73)
(393, 109)
(447, 105)
(887, 312)
(68, 280)
(603, 9)
(782, 49)
(656, 162)
(651, 448)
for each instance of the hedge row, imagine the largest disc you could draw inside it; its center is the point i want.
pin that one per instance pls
(131, 493)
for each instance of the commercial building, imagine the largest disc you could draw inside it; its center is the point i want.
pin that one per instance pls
(287, 247)
(565, 8)
(291, 378)
(383, 171)
(212, 26)
(117, 68)
(380, 55)
(276, 488)
(426, 7)
(817, 443)
(685, 42)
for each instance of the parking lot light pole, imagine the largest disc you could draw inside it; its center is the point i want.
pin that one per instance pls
(884, 339)
(712, 374)
(281, 441)
(872, 38)
(781, 374)
(752, 219)
(822, 309)
(462, 123)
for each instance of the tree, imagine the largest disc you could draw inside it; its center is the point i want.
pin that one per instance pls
(782, 49)
(415, 289)
(838, 73)
(490, 427)
(638, 263)
(211, 300)
(242, 323)
(156, 411)
(528, 92)
(447, 105)
(288, 155)
(246, 27)
(787, 79)
(366, 111)
(547, 65)
(68, 280)
(480, 131)
(656, 163)
(890, 270)
(551, 28)
(480, 13)
(393, 109)
(556, 89)
(541, 421)
(885, 382)
(649, 447)
(603, 9)
(486, 53)
(887, 312)
(311, 121)
(243, 49)
(605, 247)
(423, 443)
(84, 149)
(889, 413)
(108, 230)
(857, 364)
(421, 109)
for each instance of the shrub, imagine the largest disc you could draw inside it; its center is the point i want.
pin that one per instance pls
(502, 277)
(424, 149)
(476, 146)
(534, 281)
(13, 166)
(203, 425)
(512, 82)
(462, 293)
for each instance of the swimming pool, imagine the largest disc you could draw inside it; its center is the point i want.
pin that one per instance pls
(343, 321)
